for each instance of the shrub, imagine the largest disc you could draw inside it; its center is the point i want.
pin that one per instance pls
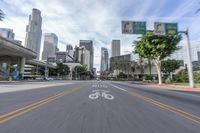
(149, 77)
(197, 77)
(181, 76)
(122, 75)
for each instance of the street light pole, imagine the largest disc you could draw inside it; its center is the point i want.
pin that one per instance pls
(190, 67)
(76, 73)
(46, 68)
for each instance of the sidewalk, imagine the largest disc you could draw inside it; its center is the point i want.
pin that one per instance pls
(173, 87)
(5, 88)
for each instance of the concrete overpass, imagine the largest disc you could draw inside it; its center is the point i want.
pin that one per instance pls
(39, 63)
(12, 53)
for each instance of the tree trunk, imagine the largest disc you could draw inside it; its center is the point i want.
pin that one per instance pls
(171, 76)
(149, 63)
(158, 66)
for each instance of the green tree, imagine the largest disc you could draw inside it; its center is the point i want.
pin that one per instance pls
(157, 48)
(122, 75)
(169, 66)
(62, 69)
(52, 72)
(80, 71)
(1, 15)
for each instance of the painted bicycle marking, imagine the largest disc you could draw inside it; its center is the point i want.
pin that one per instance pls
(101, 93)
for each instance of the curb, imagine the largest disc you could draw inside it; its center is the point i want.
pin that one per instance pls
(175, 87)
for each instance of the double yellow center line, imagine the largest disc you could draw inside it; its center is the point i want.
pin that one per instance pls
(11, 115)
(184, 114)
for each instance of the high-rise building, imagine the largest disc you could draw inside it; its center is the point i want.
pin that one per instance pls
(50, 45)
(88, 44)
(34, 32)
(69, 47)
(82, 56)
(181, 53)
(62, 56)
(76, 51)
(70, 50)
(7, 33)
(198, 55)
(115, 48)
(104, 59)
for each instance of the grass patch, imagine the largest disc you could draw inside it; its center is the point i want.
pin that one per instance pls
(186, 84)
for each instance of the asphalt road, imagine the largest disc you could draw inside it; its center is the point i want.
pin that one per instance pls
(99, 107)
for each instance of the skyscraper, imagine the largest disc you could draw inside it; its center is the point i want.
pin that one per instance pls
(70, 50)
(104, 59)
(115, 48)
(82, 56)
(181, 53)
(34, 32)
(50, 45)
(88, 44)
(7, 33)
(69, 47)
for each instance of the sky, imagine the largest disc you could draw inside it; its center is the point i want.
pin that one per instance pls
(99, 20)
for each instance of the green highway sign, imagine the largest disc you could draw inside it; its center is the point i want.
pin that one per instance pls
(171, 28)
(162, 29)
(133, 27)
(139, 28)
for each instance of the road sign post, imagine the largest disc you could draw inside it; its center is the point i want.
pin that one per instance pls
(190, 67)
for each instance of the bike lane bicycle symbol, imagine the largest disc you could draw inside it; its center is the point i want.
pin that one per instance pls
(101, 93)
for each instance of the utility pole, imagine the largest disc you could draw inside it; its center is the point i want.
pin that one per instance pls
(190, 67)
(46, 67)
(75, 73)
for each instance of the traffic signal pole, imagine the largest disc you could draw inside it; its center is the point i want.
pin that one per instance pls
(189, 64)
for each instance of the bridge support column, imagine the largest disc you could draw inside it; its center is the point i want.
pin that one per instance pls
(20, 66)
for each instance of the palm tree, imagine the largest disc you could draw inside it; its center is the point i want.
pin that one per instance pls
(1, 15)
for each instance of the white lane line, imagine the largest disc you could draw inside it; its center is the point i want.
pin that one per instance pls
(118, 87)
